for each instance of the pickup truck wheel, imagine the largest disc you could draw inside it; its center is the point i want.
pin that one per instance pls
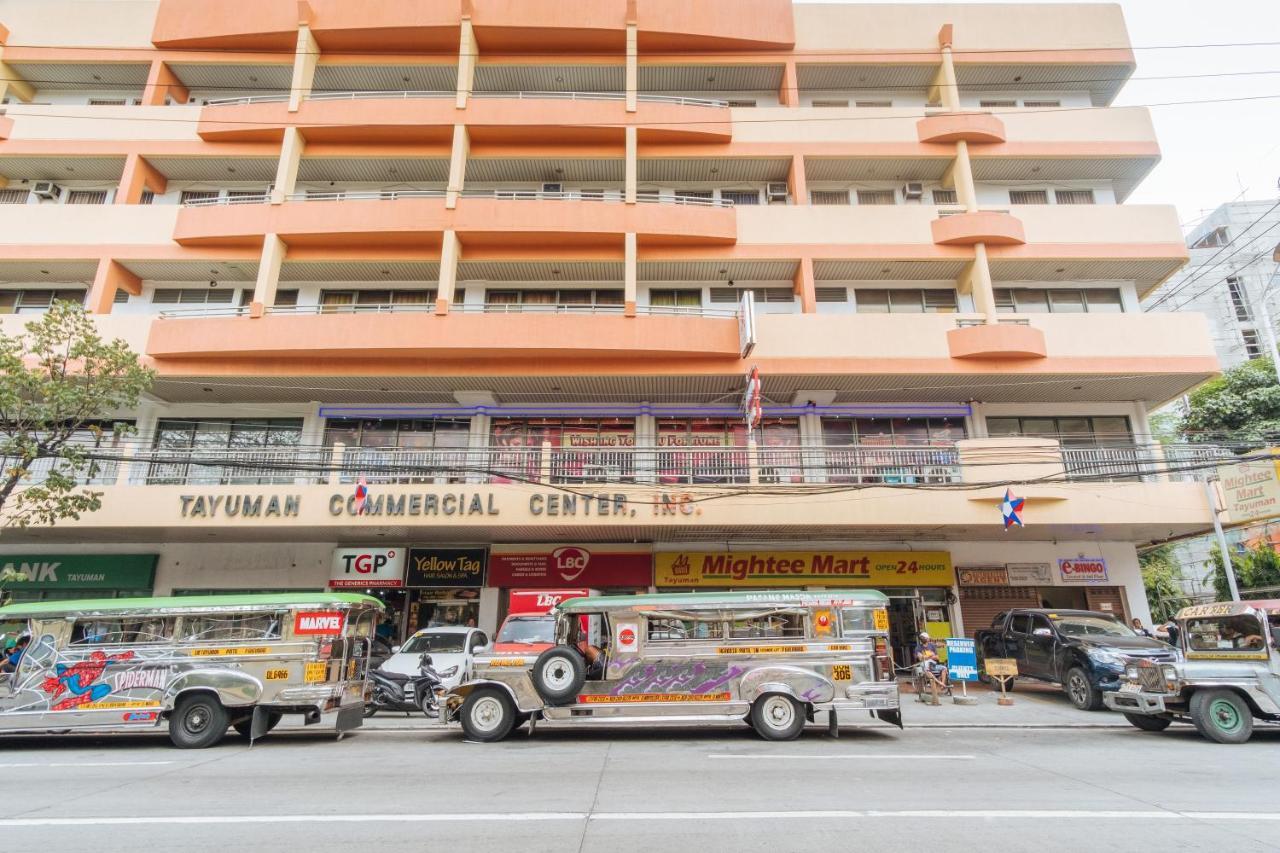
(776, 716)
(199, 721)
(487, 715)
(1148, 723)
(1221, 716)
(1081, 692)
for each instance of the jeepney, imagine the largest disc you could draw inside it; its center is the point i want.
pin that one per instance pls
(198, 665)
(772, 659)
(1227, 677)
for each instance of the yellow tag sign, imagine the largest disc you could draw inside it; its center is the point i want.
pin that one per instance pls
(277, 674)
(244, 650)
(1001, 667)
(881, 620)
(841, 672)
(316, 672)
(802, 568)
(758, 650)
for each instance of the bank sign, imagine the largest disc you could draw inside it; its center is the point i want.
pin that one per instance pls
(367, 568)
(135, 572)
(803, 568)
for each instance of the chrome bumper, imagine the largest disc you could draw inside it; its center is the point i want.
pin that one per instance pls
(863, 697)
(1135, 703)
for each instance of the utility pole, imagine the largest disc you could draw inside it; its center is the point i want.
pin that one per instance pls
(1268, 333)
(1211, 494)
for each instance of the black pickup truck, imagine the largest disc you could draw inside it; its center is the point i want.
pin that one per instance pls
(1081, 650)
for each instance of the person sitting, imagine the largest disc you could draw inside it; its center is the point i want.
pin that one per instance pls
(593, 655)
(14, 659)
(927, 658)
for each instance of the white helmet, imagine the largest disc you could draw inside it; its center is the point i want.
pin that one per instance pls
(924, 635)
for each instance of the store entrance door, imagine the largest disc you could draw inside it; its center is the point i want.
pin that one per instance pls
(905, 618)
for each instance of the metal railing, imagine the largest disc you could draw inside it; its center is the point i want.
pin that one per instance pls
(379, 94)
(1146, 462)
(229, 466)
(365, 308)
(205, 311)
(257, 198)
(248, 99)
(410, 94)
(600, 96)
(364, 195)
(543, 308)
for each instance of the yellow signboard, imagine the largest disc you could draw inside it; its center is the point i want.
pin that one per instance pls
(1251, 490)
(803, 568)
(313, 672)
(1001, 667)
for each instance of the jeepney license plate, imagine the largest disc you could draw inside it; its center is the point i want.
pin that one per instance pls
(1130, 687)
(881, 620)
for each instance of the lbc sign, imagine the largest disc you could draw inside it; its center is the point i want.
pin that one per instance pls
(367, 568)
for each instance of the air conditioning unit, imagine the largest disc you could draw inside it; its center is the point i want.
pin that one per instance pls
(913, 192)
(777, 192)
(553, 188)
(47, 190)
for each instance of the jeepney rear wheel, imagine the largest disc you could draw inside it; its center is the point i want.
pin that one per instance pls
(776, 716)
(487, 715)
(243, 727)
(1148, 723)
(199, 721)
(1221, 716)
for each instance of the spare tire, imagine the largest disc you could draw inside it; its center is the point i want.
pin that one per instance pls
(558, 675)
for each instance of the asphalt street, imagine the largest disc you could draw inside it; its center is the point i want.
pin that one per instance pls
(873, 788)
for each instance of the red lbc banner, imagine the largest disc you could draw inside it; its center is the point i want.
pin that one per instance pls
(555, 566)
(535, 601)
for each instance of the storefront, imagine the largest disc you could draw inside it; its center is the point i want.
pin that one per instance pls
(612, 569)
(378, 572)
(918, 583)
(64, 576)
(443, 586)
(1075, 583)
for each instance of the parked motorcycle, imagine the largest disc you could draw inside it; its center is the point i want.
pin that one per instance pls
(393, 691)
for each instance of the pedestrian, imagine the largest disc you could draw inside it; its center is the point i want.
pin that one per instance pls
(1140, 629)
(1175, 633)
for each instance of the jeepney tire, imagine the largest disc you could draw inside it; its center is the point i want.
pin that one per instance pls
(243, 727)
(487, 715)
(558, 675)
(1081, 691)
(1148, 723)
(777, 716)
(1221, 716)
(198, 721)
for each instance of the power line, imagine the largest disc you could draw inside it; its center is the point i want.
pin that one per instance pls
(1205, 268)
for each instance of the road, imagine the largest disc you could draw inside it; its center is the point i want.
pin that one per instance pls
(682, 789)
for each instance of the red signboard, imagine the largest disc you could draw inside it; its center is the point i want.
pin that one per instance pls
(534, 601)
(553, 566)
(322, 622)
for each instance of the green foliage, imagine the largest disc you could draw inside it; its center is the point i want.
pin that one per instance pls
(1243, 403)
(1160, 575)
(1257, 569)
(58, 378)
(8, 576)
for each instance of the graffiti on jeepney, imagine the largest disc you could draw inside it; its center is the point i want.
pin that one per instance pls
(80, 680)
(696, 677)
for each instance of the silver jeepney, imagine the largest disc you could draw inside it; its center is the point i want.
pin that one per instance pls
(199, 664)
(773, 659)
(1228, 674)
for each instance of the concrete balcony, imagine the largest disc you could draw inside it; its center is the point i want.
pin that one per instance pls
(67, 226)
(55, 125)
(953, 127)
(984, 226)
(1004, 341)
(1099, 225)
(132, 329)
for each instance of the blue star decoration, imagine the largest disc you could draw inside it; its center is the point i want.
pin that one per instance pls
(1010, 508)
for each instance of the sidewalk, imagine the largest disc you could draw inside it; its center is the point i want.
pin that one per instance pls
(1035, 706)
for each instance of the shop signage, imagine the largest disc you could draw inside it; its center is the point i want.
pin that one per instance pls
(445, 567)
(368, 568)
(1251, 490)
(524, 601)
(1083, 570)
(557, 565)
(240, 506)
(135, 572)
(322, 622)
(803, 568)
(1030, 574)
(982, 576)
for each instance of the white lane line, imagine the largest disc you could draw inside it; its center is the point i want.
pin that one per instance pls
(842, 757)
(85, 764)
(522, 817)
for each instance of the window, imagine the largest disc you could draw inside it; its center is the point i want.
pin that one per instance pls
(1215, 238)
(1241, 633)
(1039, 622)
(944, 197)
(999, 103)
(87, 197)
(147, 197)
(243, 627)
(108, 102)
(671, 627)
(891, 432)
(245, 196)
(906, 301)
(1028, 300)
(219, 444)
(856, 620)
(776, 624)
(424, 433)
(554, 299)
(876, 197)
(675, 298)
(132, 630)
(1252, 344)
(1239, 298)
(694, 196)
(1028, 196)
(121, 297)
(830, 102)
(1073, 196)
(35, 301)
(768, 295)
(742, 102)
(1020, 624)
(188, 196)
(1083, 431)
(831, 294)
(741, 196)
(348, 301)
(14, 196)
(1042, 104)
(193, 296)
(872, 104)
(829, 197)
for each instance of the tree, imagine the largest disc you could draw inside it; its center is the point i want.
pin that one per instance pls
(1257, 572)
(58, 381)
(8, 576)
(1242, 403)
(1161, 574)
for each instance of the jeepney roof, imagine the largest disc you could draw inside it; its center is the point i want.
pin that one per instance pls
(1230, 608)
(718, 600)
(23, 610)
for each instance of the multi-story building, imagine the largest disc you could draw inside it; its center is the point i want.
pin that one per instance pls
(490, 258)
(1231, 279)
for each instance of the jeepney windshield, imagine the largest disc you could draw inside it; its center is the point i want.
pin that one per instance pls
(528, 630)
(1241, 633)
(1274, 621)
(855, 619)
(1091, 626)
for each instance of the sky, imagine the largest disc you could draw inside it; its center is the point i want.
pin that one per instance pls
(1212, 153)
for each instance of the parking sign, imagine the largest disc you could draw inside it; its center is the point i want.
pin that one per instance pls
(962, 659)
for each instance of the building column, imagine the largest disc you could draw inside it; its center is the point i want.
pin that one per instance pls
(630, 273)
(946, 84)
(450, 254)
(633, 57)
(796, 183)
(264, 289)
(139, 175)
(805, 287)
(11, 82)
(305, 57)
(110, 277)
(467, 50)
(291, 150)
(163, 86)
(789, 91)
(978, 277)
(457, 166)
(961, 174)
(631, 177)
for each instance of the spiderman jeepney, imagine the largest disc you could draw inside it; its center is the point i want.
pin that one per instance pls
(195, 665)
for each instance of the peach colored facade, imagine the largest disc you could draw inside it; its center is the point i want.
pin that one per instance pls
(420, 227)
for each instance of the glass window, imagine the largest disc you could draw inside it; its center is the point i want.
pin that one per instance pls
(130, 630)
(829, 197)
(777, 624)
(231, 627)
(877, 197)
(528, 630)
(676, 298)
(1038, 621)
(944, 196)
(1020, 624)
(1075, 431)
(1241, 633)
(1073, 196)
(1103, 300)
(856, 619)
(1092, 626)
(1066, 301)
(672, 627)
(1028, 196)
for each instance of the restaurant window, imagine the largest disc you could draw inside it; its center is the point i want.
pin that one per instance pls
(582, 450)
(905, 301)
(1028, 300)
(713, 450)
(1082, 431)
(241, 451)
(36, 301)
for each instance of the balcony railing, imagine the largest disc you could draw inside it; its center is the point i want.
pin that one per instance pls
(1147, 463)
(601, 96)
(257, 198)
(365, 195)
(411, 94)
(201, 311)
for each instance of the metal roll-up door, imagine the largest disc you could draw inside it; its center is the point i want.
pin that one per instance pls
(1108, 599)
(980, 604)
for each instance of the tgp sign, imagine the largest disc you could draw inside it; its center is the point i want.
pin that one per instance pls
(1083, 570)
(367, 568)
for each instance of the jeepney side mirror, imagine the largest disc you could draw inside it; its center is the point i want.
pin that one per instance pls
(395, 650)
(1042, 632)
(482, 649)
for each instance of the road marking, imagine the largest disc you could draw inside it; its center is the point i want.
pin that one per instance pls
(844, 757)
(86, 764)
(521, 817)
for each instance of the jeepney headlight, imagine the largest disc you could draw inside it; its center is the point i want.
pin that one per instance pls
(1171, 679)
(1131, 672)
